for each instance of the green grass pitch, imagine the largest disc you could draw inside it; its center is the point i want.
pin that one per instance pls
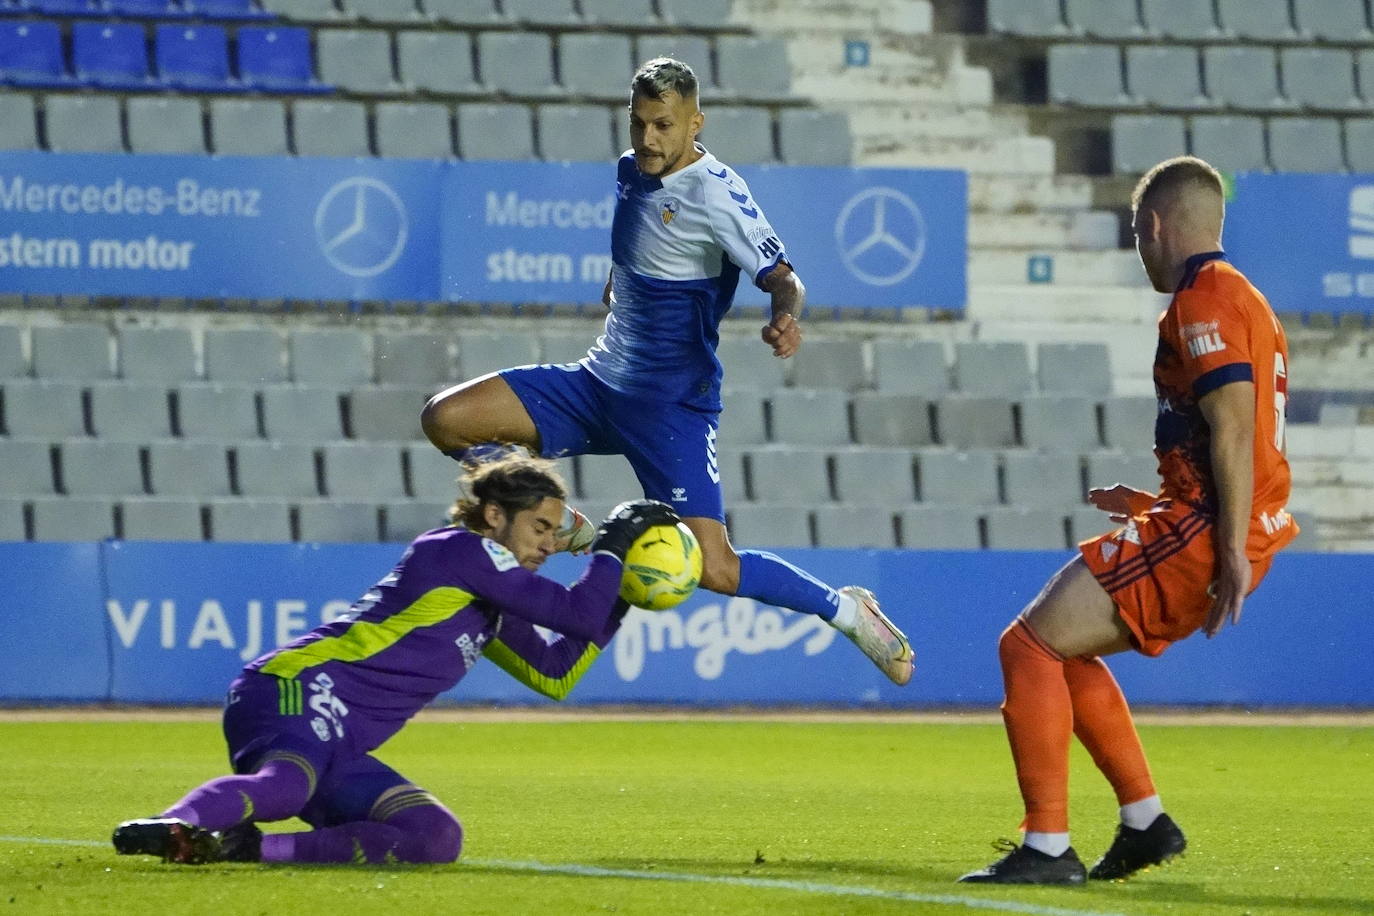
(709, 815)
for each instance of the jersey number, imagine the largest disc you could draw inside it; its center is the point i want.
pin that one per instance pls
(1280, 403)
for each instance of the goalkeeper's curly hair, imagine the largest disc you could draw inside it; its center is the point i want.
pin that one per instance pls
(515, 483)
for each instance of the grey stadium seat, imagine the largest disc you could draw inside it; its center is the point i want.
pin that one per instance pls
(595, 65)
(802, 416)
(692, 50)
(155, 354)
(1135, 470)
(1332, 20)
(1256, 20)
(748, 363)
(831, 363)
(42, 409)
(95, 468)
(219, 413)
(1086, 75)
(1233, 143)
(335, 128)
(733, 480)
(329, 356)
(517, 63)
(1075, 368)
(1192, 20)
(1166, 76)
(750, 67)
(911, 367)
(742, 417)
(158, 125)
(463, 12)
(556, 347)
(740, 134)
(28, 465)
(1128, 422)
(964, 478)
(13, 363)
(606, 478)
(83, 124)
(1042, 480)
(1141, 140)
(769, 526)
(1059, 423)
(250, 520)
(696, 14)
(386, 413)
(276, 469)
(358, 60)
(303, 10)
(130, 412)
(414, 130)
(809, 137)
(939, 528)
(541, 12)
(71, 351)
(874, 477)
(1364, 64)
(161, 520)
(575, 133)
(327, 521)
(67, 518)
(436, 62)
(480, 353)
(1104, 18)
(992, 367)
(1016, 528)
(787, 474)
(1305, 145)
(383, 11)
(974, 421)
(1088, 522)
(633, 13)
(1243, 76)
(1322, 78)
(18, 122)
(187, 469)
(412, 358)
(432, 475)
(1359, 144)
(1025, 17)
(855, 527)
(501, 132)
(891, 419)
(403, 521)
(362, 470)
(301, 413)
(246, 355)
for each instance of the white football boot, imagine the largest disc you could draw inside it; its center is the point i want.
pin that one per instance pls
(878, 638)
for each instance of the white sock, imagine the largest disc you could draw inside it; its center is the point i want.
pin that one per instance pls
(1140, 814)
(1051, 844)
(846, 616)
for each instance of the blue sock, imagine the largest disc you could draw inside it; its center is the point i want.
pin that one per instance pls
(483, 452)
(769, 578)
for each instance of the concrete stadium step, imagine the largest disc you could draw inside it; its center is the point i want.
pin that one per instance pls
(1064, 307)
(1026, 193)
(1312, 472)
(1312, 440)
(1056, 268)
(910, 17)
(1000, 156)
(1338, 502)
(1093, 230)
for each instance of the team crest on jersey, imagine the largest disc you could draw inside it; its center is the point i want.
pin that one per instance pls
(501, 558)
(669, 210)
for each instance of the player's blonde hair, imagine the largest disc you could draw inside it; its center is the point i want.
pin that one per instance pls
(1173, 176)
(514, 483)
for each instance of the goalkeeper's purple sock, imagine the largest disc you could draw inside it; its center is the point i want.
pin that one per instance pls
(279, 789)
(769, 578)
(422, 833)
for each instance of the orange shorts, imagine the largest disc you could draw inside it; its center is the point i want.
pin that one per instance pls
(1157, 569)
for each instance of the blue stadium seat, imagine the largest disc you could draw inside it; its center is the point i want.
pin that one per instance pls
(31, 55)
(147, 9)
(194, 57)
(226, 9)
(277, 59)
(62, 7)
(110, 55)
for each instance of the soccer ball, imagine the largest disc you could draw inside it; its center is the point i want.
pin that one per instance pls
(662, 567)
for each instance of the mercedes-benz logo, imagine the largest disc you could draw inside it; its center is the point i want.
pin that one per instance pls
(361, 226)
(881, 236)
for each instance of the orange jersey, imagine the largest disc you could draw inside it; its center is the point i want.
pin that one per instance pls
(1220, 329)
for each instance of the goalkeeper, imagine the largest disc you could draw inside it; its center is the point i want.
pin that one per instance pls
(302, 721)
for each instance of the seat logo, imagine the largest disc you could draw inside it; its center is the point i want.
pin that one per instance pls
(881, 236)
(361, 226)
(1362, 221)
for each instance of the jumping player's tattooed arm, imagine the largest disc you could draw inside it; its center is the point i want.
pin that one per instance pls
(783, 332)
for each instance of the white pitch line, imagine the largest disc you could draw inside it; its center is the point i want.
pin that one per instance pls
(780, 884)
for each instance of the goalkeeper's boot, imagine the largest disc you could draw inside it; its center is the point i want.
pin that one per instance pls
(241, 843)
(878, 638)
(171, 839)
(1024, 865)
(1134, 849)
(576, 533)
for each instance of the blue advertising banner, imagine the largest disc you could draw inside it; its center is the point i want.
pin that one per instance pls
(203, 226)
(1307, 241)
(173, 623)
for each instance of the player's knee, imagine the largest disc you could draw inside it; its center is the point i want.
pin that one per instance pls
(432, 835)
(437, 421)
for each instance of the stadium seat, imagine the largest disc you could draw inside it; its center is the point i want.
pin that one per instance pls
(330, 128)
(304, 10)
(742, 417)
(358, 60)
(855, 527)
(1033, 18)
(569, 347)
(480, 352)
(1320, 78)
(992, 367)
(1241, 76)
(393, 12)
(575, 133)
(413, 130)
(165, 125)
(188, 469)
(810, 137)
(963, 478)
(1190, 20)
(13, 363)
(1076, 368)
(1019, 528)
(1256, 20)
(1086, 75)
(145, 9)
(329, 356)
(301, 413)
(28, 465)
(733, 479)
(152, 354)
(1141, 140)
(1103, 18)
(18, 121)
(595, 65)
(245, 355)
(386, 413)
(939, 528)
(882, 419)
(874, 477)
(753, 68)
(160, 520)
(31, 55)
(1165, 76)
(696, 14)
(194, 58)
(692, 50)
(1332, 20)
(110, 55)
(1134, 469)
(89, 467)
(748, 363)
(12, 523)
(804, 416)
(463, 12)
(974, 421)
(830, 363)
(71, 351)
(432, 476)
(412, 358)
(328, 521)
(495, 132)
(263, 521)
(911, 367)
(61, 7)
(43, 409)
(1088, 522)
(1233, 143)
(362, 470)
(1042, 479)
(403, 521)
(1359, 144)
(130, 411)
(517, 63)
(740, 134)
(1305, 145)
(65, 518)
(789, 474)
(248, 127)
(541, 12)
(277, 469)
(213, 412)
(438, 62)
(620, 14)
(769, 526)
(1364, 64)
(83, 124)
(277, 59)
(226, 9)
(1058, 423)
(606, 478)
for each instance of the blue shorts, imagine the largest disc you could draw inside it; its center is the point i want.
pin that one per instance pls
(671, 447)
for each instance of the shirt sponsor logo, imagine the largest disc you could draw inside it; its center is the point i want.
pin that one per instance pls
(1275, 523)
(501, 558)
(471, 648)
(329, 709)
(1203, 344)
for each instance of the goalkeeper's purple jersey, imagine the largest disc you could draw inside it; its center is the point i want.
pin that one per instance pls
(453, 597)
(678, 246)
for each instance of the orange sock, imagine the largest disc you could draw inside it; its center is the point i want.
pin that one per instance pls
(1038, 714)
(1102, 721)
